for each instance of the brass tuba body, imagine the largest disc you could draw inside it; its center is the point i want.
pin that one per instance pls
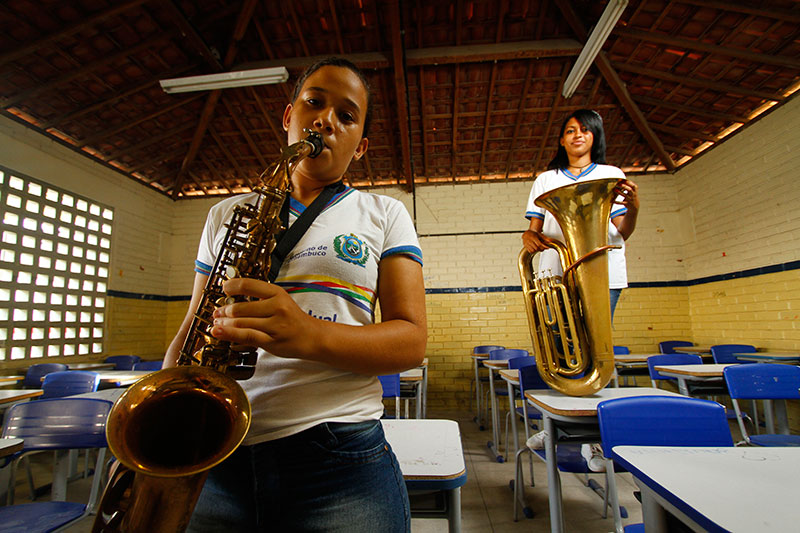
(170, 427)
(570, 315)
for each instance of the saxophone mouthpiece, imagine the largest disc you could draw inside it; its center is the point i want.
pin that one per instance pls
(315, 140)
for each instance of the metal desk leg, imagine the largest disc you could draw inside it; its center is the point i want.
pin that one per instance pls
(425, 391)
(653, 514)
(454, 510)
(682, 388)
(512, 408)
(476, 365)
(494, 444)
(418, 386)
(60, 475)
(553, 479)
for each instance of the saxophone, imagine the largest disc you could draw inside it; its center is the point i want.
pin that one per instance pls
(169, 428)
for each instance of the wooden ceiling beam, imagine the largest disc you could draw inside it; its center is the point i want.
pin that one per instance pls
(105, 134)
(337, 31)
(492, 80)
(726, 51)
(700, 111)
(400, 89)
(519, 112)
(617, 86)
(147, 142)
(223, 147)
(88, 22)
(703, 84)
(280, 138)
(192, 36)
(243, 131)
(242, 20)
(88, 68)
(688, 134)
(748, 9)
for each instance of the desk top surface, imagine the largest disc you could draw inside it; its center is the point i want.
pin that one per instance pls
(11, 379)
(693, 349)
(91, 366)
(13, 395)
(427, 449)
(557, 403)
(766, 356)
(633, 357)
(736, 489)
(496, 363)
(709, 370)
(9, 446)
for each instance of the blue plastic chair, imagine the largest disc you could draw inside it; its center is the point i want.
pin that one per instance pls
(148, 365)
(68, 383)
(722, 353)
(478, 380)
(669, 346)
(123, 362)
(35, 373)
(391, 389)
(60, 425)
(658, 421)
(764, 381)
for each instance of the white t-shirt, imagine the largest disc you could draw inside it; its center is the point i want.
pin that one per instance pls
(332, 274)
(549, 263)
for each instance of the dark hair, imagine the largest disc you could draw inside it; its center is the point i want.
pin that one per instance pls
(337, 62)
(593, 122)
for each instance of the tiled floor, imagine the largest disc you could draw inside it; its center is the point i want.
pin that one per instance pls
(486, 497)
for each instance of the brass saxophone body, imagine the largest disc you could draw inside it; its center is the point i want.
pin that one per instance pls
(170, 427)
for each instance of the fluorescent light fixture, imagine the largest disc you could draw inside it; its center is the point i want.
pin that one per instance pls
(593, 45)
(226, 80)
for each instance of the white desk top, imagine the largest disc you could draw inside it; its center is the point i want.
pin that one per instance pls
(706, 371)
(693, 349)
(13, 395)
(496, 363)
(10, 446)
(91, 366)
(560, 404)
(427, 449)
(122, 378)
(768, 356)
(633, 357)
(737, 489)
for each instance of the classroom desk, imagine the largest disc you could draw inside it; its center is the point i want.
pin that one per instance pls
(15, 395)
(770, 357)
(91, 366)
(477, 361)
(494, 365)
(121, 378)
(695, 373)
(10, 380)
(573, 419)
(431, 459)
(511, 377)
(697, 350)
(716, 489)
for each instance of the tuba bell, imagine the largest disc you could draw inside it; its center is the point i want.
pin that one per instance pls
(569, 316)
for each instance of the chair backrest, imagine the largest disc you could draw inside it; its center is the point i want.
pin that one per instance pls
(59, 423)
(621, 350)
(662, 421)
(722, 352)
(391, 385)
(670, 359)
(768, 381)
(148, 365)
(507, 353)
(123, 362)
(35, 373)
(669, 346)
(519, 362)
(485, 349)
(529, 378)
(68, 383)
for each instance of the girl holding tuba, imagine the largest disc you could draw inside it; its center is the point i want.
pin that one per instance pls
(315, 457)
(581, 156)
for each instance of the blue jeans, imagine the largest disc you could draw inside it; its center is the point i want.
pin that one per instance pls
(614, 294)
(332, 477)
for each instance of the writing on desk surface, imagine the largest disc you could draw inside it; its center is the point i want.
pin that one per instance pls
(749, 454)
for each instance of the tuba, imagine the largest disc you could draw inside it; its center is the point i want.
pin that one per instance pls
(169, 428)
(569, 316)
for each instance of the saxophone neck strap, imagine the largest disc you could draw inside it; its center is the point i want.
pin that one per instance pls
(289, 238)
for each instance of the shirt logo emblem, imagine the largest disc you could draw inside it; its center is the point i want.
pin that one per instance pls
(351, 249)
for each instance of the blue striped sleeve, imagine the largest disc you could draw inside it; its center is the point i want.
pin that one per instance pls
(202, 268)
(411, 251)
(619, 212)
(533, 214)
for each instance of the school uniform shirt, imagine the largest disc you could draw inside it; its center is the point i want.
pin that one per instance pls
(549, 263)
(332, 274)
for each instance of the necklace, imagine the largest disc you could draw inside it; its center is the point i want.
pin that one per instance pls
(580, 169)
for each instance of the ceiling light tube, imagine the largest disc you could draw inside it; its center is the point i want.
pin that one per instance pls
(593, 45)
(226, 80)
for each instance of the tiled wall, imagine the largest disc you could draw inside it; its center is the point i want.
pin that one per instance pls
(730, 211)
